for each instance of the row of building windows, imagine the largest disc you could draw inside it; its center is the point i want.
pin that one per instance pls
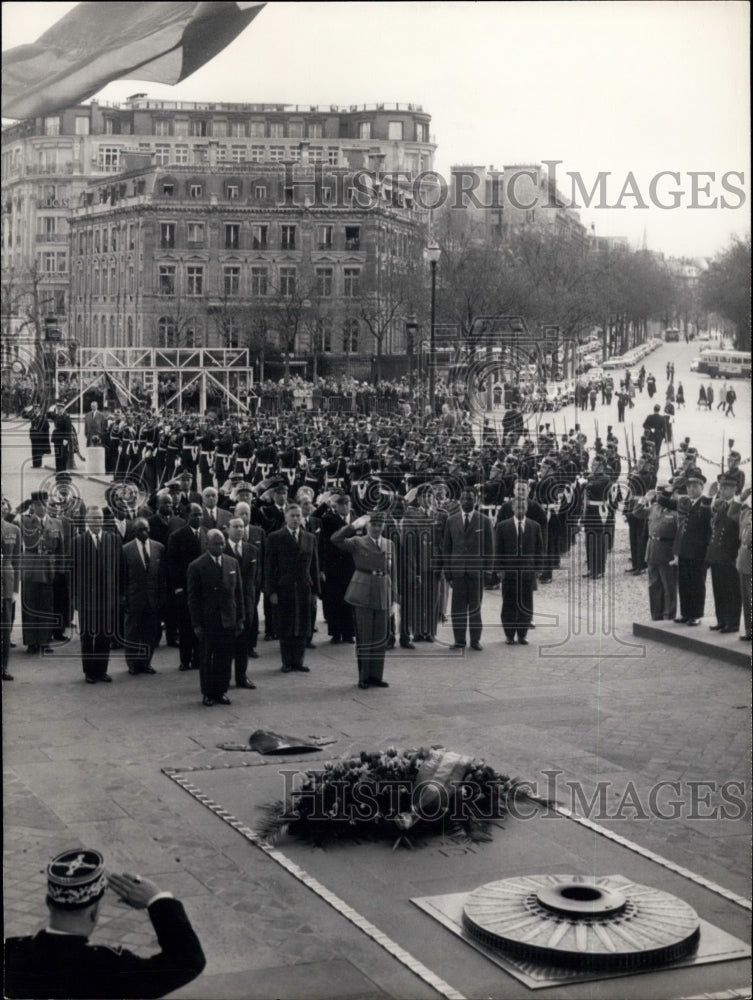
(258, 280)
(109, 331)
(106, 331)
(259, 236)
(236, 280)
(105, 281)
(107, 239)
(397, 131)
(233, 190)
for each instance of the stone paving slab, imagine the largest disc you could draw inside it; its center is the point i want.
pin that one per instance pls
(337, 980)
(382, 890)
(84, 764)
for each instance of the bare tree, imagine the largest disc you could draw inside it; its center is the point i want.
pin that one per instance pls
(389, 295)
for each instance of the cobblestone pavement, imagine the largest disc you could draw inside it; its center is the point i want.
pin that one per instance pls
(83, 764)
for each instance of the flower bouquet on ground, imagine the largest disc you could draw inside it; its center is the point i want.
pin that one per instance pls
(393, 794)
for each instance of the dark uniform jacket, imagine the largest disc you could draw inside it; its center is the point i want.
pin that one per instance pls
(694, 531)
(725, 536)
(65, 965)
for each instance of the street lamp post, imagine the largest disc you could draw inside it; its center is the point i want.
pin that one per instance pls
(433, 254)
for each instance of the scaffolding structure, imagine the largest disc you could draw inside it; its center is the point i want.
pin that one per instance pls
(138, 377)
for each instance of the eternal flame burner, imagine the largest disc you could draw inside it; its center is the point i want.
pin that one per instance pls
(582, 922)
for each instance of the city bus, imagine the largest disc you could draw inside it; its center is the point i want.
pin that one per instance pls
(724, 364)
(672, 334)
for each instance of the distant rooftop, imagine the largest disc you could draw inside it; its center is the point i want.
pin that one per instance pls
(143, 103)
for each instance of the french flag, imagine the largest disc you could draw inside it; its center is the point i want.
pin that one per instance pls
(96, 43)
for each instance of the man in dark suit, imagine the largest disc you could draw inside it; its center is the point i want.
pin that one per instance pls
(270, 514)
(291, 575)
(249, 563)
(145, 580)
(393, 530)
(183, 546)
(655, 429)
(518, 549)
(467, 554)
(691, 544)
(313, 524)
(215, 602)
(39, 433)
(94, 423)
(59, 962)
(337, 567)
(161, 525)
(422, 534)
(254, 534)
(63, 438)
(212, 515)
(97, 589)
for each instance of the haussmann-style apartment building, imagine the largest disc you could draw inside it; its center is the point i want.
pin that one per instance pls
(169, 224)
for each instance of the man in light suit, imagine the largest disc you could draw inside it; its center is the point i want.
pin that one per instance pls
(145, 579)
(94, 423)
(517, 557)
(215, 602)
(371, 593)
(467, 552)
(249, 563)
(291, 576)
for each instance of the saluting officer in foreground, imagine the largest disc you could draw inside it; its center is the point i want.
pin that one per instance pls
(59, 961)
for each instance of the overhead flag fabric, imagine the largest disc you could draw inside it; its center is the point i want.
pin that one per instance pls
(96, 43)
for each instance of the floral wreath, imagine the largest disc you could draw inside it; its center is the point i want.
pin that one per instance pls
(385, 794)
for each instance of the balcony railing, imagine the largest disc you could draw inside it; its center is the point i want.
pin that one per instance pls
(146, 104)
(69, 167)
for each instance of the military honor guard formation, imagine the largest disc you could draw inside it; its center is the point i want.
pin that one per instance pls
(215, 533)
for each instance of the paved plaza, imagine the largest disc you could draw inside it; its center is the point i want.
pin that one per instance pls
(588, 712)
